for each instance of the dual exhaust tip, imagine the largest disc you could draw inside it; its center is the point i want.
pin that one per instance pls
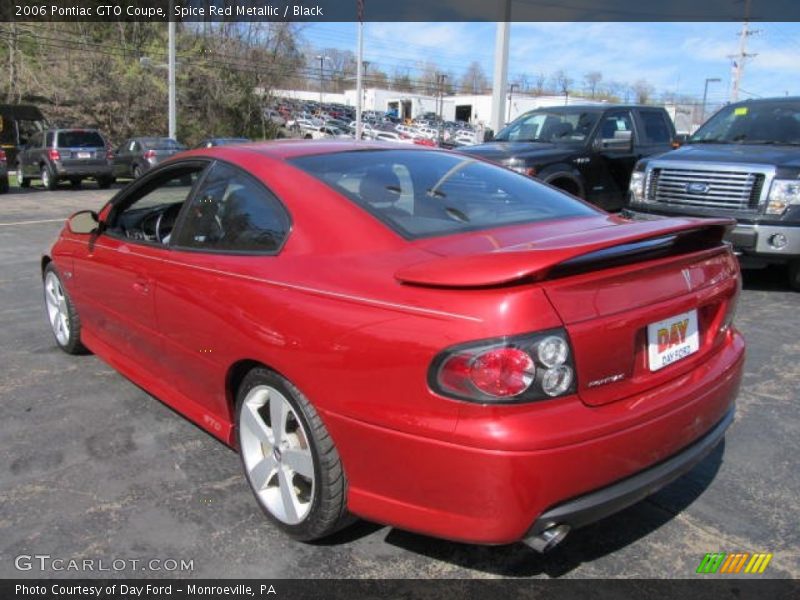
(548, 539)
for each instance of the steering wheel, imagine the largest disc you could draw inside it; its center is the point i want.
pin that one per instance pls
(166, 218)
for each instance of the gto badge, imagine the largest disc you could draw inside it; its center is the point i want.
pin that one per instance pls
(606, 380)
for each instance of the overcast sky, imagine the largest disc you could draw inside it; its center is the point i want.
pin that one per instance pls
(674, 57)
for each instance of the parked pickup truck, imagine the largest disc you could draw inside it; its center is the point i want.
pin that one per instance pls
(743, 163)
(588, 151)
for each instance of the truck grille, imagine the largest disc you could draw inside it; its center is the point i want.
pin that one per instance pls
(731, 190)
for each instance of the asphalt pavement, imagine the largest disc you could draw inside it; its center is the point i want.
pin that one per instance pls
(91, 466)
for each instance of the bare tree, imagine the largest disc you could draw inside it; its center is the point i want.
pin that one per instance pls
(643, 91)
(592, 79)
(562, 82)
(474, 79)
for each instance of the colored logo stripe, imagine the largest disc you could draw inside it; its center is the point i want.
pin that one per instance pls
(723, 562)
(758, 563)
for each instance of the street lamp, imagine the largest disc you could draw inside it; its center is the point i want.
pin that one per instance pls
(705, 94)
(510, 96)
(321, 58)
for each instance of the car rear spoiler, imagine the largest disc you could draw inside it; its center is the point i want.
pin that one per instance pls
(569, 254)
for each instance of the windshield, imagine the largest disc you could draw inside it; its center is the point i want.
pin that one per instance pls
(756, 123)
(420, 193)
(79, 139)
(562, 126)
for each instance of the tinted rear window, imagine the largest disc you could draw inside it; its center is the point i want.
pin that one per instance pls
(427, 193)
(79, 139)
(161, 143)
(656, 130)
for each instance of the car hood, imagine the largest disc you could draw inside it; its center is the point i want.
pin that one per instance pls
(782, 156)
(502, 152)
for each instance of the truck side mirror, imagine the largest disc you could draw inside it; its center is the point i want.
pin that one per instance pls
(680, 139)
(622, 141)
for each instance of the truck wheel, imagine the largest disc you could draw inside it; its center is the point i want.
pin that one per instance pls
(794, 274)
(4, 185)
(105, 182)
(21, 179)
(48, 180)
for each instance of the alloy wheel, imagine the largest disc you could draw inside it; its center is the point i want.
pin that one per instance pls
(277, 454)
(57, 310)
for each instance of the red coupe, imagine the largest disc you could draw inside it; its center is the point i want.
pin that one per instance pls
(409, 335)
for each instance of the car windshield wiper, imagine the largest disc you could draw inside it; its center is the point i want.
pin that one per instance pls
(711, 141)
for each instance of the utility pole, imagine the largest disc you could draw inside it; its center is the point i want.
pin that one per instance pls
(500, 74)
(440, 77)
(321, 58)
(510, 96)
(12, 65)
(705, 95)
(360, 71)
(742, 57)
(171, 76)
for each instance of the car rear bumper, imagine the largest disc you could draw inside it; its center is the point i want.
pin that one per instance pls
(497, 495)
(97, 171)
(601, 503)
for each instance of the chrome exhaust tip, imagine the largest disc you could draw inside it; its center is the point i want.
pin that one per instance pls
(548, 539)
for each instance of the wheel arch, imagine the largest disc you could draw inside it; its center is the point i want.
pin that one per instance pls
(564, 173)
(46, 260)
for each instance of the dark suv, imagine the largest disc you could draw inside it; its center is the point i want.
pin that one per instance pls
(588, 151)
(55, 155)
(743, 163)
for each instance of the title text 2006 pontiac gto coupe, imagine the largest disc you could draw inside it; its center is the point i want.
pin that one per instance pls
(409, 335)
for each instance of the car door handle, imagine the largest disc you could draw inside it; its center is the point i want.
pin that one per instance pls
(143, 287)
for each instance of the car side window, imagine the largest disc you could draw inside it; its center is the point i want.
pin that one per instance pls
(616, 125)
(150, 212)
(232, 212)
(656, 130)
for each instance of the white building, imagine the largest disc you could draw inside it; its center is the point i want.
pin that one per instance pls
(408, 105)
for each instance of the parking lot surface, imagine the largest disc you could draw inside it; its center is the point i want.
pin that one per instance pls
(91, 466)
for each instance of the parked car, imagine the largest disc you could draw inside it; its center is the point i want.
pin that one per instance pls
(326, 132)
(55, 155)
(136, 156)
(18, 122)
(211, 142)
(3, 172)
(744, 163)
(274, 116)
(409, 335)
(588, 151)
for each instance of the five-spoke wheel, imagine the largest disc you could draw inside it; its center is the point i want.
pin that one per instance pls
(289, 459)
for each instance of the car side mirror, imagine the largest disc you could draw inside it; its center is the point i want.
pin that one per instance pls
(84, 222)
(622, 141)
(680, 139)
(488, 135)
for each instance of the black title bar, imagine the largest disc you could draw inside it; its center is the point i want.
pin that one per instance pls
(398, 10)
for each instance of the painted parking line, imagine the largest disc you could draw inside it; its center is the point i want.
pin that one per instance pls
(33, 222)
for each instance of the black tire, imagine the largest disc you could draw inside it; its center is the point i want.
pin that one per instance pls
(105, 182)
(49, 180)
(4, 187)
(328, 512)
(23, 181)
(137, 172)
(75, 183)
(794, 274)
(73, 344)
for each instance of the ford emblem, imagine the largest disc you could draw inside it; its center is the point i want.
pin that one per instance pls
(697, 188)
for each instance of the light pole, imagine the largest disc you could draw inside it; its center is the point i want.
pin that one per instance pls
(321, 58)
(510, 96)
(171, 77)
(705, 95)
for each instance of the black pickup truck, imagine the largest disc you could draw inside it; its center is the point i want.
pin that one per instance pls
(586, 150)
(743, 163)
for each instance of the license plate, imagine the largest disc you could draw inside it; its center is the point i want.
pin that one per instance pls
(672, 339)
(84, 155)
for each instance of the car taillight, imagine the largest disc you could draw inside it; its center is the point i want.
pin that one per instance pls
(511, 369)
(150, 154)
(54, 154)
(3, 156)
